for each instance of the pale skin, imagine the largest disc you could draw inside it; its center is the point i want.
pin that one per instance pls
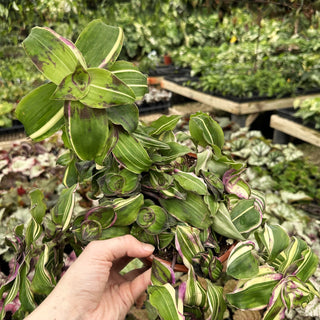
(92, 288)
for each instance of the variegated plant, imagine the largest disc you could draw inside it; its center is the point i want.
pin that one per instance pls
(190, 202)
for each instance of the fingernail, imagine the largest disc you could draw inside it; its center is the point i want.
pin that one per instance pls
(148, 247)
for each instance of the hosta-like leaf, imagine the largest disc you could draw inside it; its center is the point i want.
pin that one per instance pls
(53, 55)
(106, 90)
(125, 115)
(40, 115)
(245, 217)
(131, 76)
(166, 155)
(163, 298)
(38, 206)
(190, 182)
(74, 86)
(235, 185)
(127, 209)
(216, 302)
(33, 232)
(161, 273)
(25, 294)
(195, 294)
(202, 161)
(131, 154)
(100, 44)
(71, 174)
(192, 210)
(274, 239)
(308, 265)
(63, 210)
(164, 123)
(88, 129)
(205, 131)
(241, 263)
(153, 219)
(149, 142)
(188, 243)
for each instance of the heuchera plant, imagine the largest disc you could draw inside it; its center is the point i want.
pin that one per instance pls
(190, 202)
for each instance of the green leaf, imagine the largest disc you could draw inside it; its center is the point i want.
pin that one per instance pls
(245, 217)
(131, 154)
(190, 182)
(307, 265)
(53, 55)
(125, 115)
(164, 123)
(71, 174)
(100, 44)
(205, 131)
(114, 231)
(106, 90)
(104, 214)
(216, 302)
(25, 294)
(74, 86)
(195, 294)
(149, 142)
(40, 115)
(88, 130)
(166, 155)
(38, 206)
(192, 210)
(131, 76)
(161, 273)
(63, 210)
(153, 219)
(163, 298)
(241, 263)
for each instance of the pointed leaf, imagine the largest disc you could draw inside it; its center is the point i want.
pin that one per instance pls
(195, 294)
(25, 294)
(217, 304)
(166, 155)
(307, 266)
(235, 185)
(106, 90)
(40, 115)
(100, 44)
(161, 273)
(53, 55)
(190, 182)
(149, 142)
(38, 207)
(164, 123)
(131, 76)
(88, 129)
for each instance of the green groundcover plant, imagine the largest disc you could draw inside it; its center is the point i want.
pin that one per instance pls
(189, 202)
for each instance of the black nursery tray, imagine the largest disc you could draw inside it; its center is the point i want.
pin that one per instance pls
(154, 107)
(168, 70)
(289, 113)
(14, 132)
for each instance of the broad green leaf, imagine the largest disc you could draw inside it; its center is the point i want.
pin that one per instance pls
(190, 182)
(131, 76)
(100, 44)
(164, 123)
(161, 273)
(150, 142)
(63, 210)
(125, 115)
(53, 55)
(245, 217)
(202, 161)
(114, 231)
(71, 174)
(102, 158)
(188, 243)
(131, 154)
(216, 302)
(38, 206)
(42, 282)
(274, 239)
(163, 298)
(106, 90)
(74, 86)
(40, 115)
(166, 155)
(205, 131)
(192, 210)
(223, 225)
(25, 294)
(105, 216)
(33, 232)
(88, 130)
(153, 219)
(195, 294)
(127, 209)
(276, 307)
(307, 265)
(241, 263)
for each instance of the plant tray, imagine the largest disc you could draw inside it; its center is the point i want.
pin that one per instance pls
(288, 113)
(12, 133)
(162, 71)
(154, 107)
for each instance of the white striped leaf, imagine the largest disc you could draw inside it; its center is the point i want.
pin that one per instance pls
(205, 131)
(25, 294)
(131, 76)
(131, 154)
(161, 273)
(235, 185)
(87, 128)
(100, 44)
(53, 55)
(192, 210)
(241, 263)
(71, 174)
(166, 155)
(33, 232)
(245, 217)
(164, 123)
(106, 90)
(63, 210)
(40, 115)
(42, 282)
(216, 302)
(190, 182)
(148, 141)
(195, 294)
(163, 298)
(307, 266)
(38, 207)
(274, 239)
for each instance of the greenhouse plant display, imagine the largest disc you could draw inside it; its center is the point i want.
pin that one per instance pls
(190, 202)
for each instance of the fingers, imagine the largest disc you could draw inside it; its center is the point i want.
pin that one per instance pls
(116, 248)
(140, 284)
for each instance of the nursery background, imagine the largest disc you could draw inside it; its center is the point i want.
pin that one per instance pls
(253, 66)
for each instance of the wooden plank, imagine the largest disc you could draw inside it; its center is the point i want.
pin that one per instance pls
(295, 130)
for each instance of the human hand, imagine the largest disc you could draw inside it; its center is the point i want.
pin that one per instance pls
(92, 287)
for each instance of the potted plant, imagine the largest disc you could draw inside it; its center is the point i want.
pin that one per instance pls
(187, 198)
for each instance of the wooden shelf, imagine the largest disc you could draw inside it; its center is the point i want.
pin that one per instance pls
(295, 130)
